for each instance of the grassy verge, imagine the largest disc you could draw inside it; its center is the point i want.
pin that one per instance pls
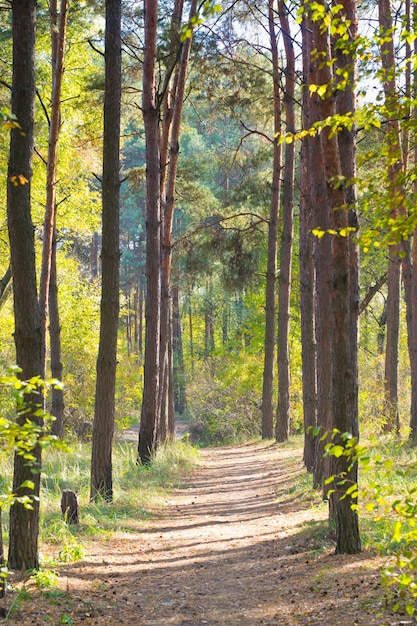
(138, 491)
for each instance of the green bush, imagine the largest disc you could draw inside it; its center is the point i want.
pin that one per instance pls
(222, 414)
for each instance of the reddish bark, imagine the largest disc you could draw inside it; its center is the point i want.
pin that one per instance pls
(284, 292)
(271, 272)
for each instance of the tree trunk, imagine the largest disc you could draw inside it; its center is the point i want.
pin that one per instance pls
(307, 277)
(150, 403)
(394, 167)
(321, 219)
(48, 292)
(178, 93)
(283, 410)
(103, 426)
(135, 319)
(24, 523)
(344, 297)
(392, 339)
(413, 343)
(172, 419)
(95, 244)
(410, 285)
(191, 331)
(141, 306)
(413, 351)
(58, 34)
(180, 396)
(271, 272)
(57, 408)
(2, 563)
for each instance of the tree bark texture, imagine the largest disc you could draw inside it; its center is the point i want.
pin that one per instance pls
(344, 306)
(282, 431)
(103, 426)
(150, 404)
(321, 219)
(337, 280)
(24, 523)
(307, 277)
(271, 271)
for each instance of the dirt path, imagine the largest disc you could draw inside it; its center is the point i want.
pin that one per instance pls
(233, 547)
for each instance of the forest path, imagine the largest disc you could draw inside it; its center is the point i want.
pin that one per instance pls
(233, 546)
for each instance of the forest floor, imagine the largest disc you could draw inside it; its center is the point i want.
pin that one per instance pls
(236, 545)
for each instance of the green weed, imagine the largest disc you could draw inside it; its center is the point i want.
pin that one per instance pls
(45, 578)
(21, 596)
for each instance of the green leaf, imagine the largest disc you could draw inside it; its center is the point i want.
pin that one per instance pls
(29, 484)
(336, 451)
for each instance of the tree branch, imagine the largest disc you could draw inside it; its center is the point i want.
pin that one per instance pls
(372, 291)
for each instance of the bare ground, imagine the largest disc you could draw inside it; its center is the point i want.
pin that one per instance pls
(234, 546)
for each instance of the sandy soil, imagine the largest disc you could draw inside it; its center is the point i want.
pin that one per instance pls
(234, 547)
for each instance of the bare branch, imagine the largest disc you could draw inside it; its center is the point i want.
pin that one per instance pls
(219, 220)
(252, 131)
(372, 291)
(45, 110)
(91, 44)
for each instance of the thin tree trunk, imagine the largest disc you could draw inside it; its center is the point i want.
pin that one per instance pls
(150, 403)
(271, 272)
(135, 318)
(167, 407)
(191, 332)
(171, 397)
(58, 34)
(24, 523)
(5, 281)
(94, 255)
(395, 166)
(103, 426)
(283, 409)
(180, 396)
(413, 339)
(411, 292)
(2, 563)
(141, 306)
(57, 408)
(321, 219)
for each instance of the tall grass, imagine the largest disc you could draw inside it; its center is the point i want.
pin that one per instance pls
(139, 491)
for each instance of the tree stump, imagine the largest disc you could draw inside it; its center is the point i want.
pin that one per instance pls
(69, 506)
